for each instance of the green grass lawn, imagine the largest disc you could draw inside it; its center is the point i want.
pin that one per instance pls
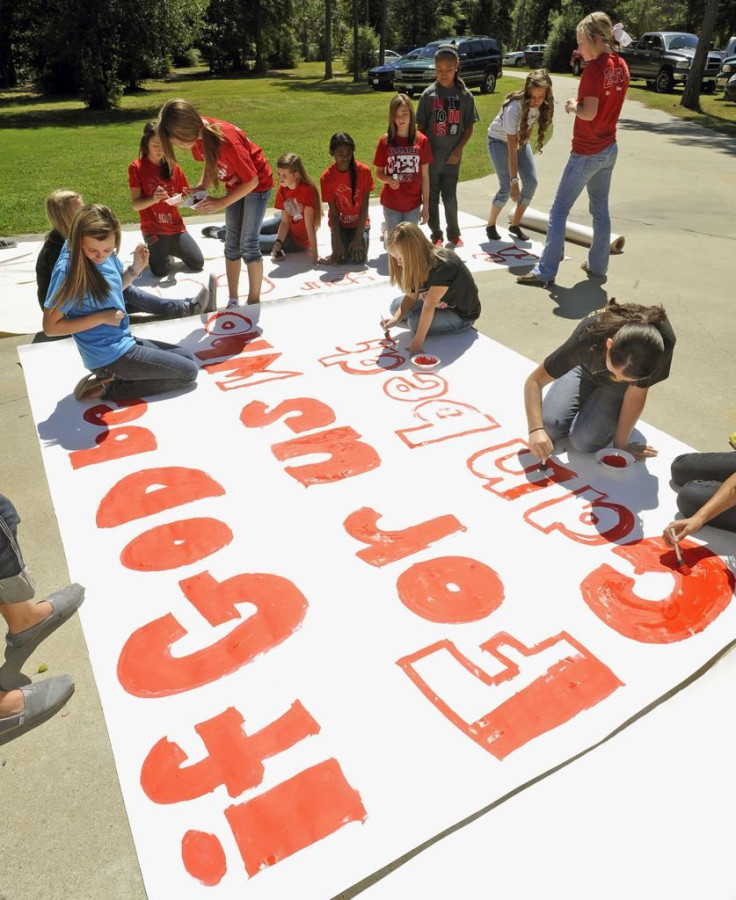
(49, 144)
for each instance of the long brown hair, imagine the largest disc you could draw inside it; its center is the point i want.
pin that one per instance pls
(149, 131)
(537, 78)
(84, 278)
(598, 24)
(636, 332)
(179, 119)
(419, 257)
(396, 103)
(292, 162)
(60, 210)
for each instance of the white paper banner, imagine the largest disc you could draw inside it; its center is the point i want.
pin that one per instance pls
(334, 605)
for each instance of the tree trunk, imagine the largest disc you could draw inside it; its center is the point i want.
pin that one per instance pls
(328, 38)
(691, 94)
(382, 57)
(356, 48)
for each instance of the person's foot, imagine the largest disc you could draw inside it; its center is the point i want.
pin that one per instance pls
(212, 289)
(232, 303)
(454, 244)
(532, 280)
(201, 302)
(492, 233)
(588, 271)
(21, 644)
(41, 701)
(438, 239)
(91, 387)
(211, 231)
(517, 232)
(7, 242)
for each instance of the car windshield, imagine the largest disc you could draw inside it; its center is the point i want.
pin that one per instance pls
(682, 42)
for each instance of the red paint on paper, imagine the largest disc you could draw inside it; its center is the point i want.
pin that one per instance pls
(234, 759)
(232, 345)
(203, 857)
(310, 414)
(445, 419)
(572, 683)
(415, 387)
(693, 603)
(582, 522)
(365, 358)
(348, 456)
(175, 544)
(450, 589)
(389, 546)
(511, 470)
(102, 414)
(152, 491)
(117, 443)
(614, 460)
(247, 371)
(297, 813)
(147, 666)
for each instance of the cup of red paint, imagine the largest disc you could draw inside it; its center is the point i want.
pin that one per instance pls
(614, 460)
(425, 361)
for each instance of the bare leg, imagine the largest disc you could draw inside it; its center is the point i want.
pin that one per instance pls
(255, 280)
(20, 616)
(232, 270)
(495, 213)
(518, 214)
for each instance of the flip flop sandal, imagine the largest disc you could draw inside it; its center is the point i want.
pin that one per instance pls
(89, 384)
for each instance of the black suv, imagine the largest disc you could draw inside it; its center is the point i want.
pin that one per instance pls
(480, 65)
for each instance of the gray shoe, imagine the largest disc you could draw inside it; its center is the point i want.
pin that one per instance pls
(212, 289)
(19, 646)
(40, 701)
(200, 302)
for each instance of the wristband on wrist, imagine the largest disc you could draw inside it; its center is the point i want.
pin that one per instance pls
(541, 428)
(515, 180)
(133, 272)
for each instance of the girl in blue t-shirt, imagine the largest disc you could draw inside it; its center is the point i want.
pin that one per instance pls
(85, 299)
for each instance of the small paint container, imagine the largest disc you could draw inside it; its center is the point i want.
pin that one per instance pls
(172, 201)
(425, 361)
(614, 460)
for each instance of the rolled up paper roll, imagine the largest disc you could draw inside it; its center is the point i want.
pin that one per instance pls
(535, 220)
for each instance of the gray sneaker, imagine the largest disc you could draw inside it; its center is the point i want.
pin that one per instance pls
(200, 302)
(40, 701)
(212, 289)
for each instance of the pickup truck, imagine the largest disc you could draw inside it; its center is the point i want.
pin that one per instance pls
(663, 59)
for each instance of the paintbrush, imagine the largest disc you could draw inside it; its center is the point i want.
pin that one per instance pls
(681, 564)
(387, 334)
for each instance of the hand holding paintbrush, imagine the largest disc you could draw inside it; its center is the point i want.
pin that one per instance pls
(675, 542)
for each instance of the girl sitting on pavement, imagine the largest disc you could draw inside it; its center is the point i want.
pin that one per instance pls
(510, 149)
(601, 376)
(154, 184)
(85, 300)
(61, 206)
(440, 295)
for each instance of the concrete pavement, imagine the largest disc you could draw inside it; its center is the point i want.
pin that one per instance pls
(65, 831)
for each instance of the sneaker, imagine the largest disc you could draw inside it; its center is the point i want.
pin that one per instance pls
(211, 231)
(492, 233)
(212, 290)
(453, 245)
(7, 242)
(517, 232)
(533, 280)
(232, 303)
(438, 239)
(41, 701)
(200, 303)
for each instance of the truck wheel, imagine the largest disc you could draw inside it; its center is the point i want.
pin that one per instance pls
(664, 82)
(488, 85)
(709, 87)
(577, 68)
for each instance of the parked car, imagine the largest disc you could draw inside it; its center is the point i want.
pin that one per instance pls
(534, 55)
(730, 90)
(480, 64)
(389, 56)
(728, 68)
(577, 62)
(663, 59)
(518, 57)
(381, 78)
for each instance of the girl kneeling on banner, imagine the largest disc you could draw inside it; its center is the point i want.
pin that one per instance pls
(601, 376)
(440, 295)
(510, 149)
(346, 189)
(85, 300)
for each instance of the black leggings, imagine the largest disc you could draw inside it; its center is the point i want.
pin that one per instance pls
(181, 246)
(701, 474)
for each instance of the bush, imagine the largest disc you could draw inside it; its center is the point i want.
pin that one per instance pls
(562, 38)
(368, 47)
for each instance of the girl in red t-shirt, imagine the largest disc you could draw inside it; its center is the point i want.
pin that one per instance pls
(295, 227)
(346, 189)
(228, 156)
(402, 161)
(156, 190)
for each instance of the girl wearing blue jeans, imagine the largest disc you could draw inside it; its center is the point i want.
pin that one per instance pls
(597, 107)
(510, 148)
(440, 295)
(228, 156)
(601, 376)
(85, 300)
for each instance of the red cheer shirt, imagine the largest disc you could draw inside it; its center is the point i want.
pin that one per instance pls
(607, 78)
(336, 188)
(238, 160)
(405, 160)
(294, 202)
(159, 218)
